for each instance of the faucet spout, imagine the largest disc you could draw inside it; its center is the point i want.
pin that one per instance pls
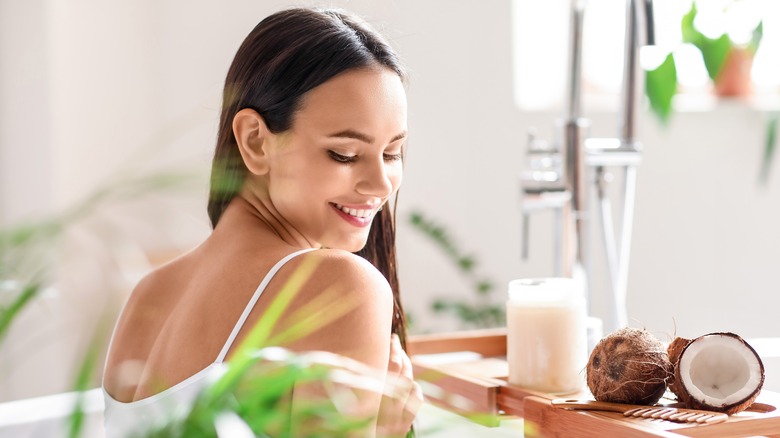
(575, 59)
(639, 21)
(582, 161)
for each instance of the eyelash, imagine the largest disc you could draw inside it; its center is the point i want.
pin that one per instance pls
(342, 158)
(394, 157)
(346, 159)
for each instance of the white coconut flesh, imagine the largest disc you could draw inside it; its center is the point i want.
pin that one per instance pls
(719, 370)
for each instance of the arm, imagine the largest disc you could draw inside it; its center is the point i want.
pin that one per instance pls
(350, 288)
(355, 308)
(402, 397)
(346, 307)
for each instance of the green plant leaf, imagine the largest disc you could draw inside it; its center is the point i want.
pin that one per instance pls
(440, 305)
(83, 380)
(484, 287)
(466, 263)
(715, 53)
(755, 39)
(689, 32)
(470, 314)
(466, 312)
(770, 144)
(661, 86)
(261, 332)
(438, 233)
(8, 314)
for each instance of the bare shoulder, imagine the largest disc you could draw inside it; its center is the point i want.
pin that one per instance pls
(349, 304)
(150, 305)
(134, 335)
(145, 310)
(155, 287)
(351, 278)
(352, 271)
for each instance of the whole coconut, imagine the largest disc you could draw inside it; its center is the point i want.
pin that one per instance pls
(629, 366)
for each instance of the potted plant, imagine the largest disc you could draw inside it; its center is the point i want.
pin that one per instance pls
(728, 65)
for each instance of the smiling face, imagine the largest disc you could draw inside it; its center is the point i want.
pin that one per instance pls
(342, 158)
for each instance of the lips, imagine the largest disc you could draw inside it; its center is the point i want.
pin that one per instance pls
(358, 213)
(359, 217)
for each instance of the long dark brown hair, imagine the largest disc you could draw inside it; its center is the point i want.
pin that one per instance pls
(286, 55)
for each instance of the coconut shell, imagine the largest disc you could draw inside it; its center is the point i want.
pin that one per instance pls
(731, 409)
(674, 350)
(628, 366)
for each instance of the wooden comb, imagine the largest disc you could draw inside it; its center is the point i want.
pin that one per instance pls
(653, 412)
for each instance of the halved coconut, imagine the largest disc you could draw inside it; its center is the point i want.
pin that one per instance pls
(675, 348)
(718, 372)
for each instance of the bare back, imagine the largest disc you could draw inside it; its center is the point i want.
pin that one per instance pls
(179, 317)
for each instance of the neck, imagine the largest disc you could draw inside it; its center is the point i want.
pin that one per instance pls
(255, 209)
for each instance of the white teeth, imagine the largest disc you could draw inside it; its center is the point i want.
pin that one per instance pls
(353, 212)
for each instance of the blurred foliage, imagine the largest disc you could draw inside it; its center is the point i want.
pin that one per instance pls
(257, 402)
(479, 312)
(769, 146)
(26, 263)
(26, 248)
(9, 312)
(660, 88)
(83, 380)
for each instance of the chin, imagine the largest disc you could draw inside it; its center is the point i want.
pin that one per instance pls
(356, 247)
(350, 245)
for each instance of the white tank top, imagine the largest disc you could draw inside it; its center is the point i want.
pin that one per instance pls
(132, 418)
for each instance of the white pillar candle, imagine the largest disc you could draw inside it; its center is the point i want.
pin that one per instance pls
(546, 335)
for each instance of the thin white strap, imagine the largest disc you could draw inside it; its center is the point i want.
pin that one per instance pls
(254, 299)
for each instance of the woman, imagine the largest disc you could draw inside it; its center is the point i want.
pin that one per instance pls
(308, 154)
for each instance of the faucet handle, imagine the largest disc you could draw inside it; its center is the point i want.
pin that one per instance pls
(543, 166)
(541, 184)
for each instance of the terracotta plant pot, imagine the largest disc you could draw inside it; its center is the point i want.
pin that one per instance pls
(734, 79)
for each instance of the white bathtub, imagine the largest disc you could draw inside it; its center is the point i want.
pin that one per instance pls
(48, 417)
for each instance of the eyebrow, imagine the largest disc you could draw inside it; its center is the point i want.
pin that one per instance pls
(349, 133)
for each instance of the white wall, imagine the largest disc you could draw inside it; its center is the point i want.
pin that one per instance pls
(136, 85)
(25, 120)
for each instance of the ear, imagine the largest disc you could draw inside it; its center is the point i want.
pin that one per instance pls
(252, 136)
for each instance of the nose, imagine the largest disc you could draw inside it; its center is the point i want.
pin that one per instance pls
(376, 178)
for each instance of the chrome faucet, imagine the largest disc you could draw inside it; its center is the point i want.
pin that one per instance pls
(561, 176)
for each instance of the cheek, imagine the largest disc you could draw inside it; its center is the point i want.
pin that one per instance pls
(396, 176)
(298, 174)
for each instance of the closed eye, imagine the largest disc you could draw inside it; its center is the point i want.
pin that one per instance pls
(342, 158)
(394, 157)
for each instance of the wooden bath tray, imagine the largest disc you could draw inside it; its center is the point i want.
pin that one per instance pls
(471, 379)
